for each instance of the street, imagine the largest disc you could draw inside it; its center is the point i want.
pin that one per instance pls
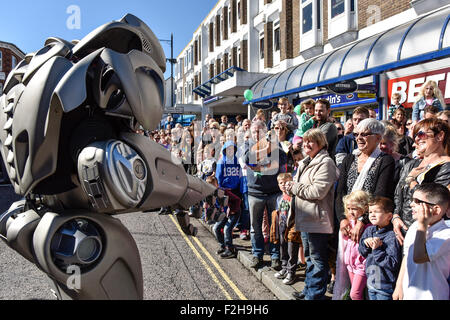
(175, 266)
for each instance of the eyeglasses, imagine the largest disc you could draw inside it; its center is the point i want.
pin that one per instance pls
(418, 201)
(422, 135)
(362, 135)
(339, 129)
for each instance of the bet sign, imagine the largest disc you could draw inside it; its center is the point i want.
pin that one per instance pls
(409, 86)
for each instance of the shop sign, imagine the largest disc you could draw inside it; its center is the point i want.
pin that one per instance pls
(343, 87)
(409, 87)
(262, 105)
(338, 114)
(336, 99)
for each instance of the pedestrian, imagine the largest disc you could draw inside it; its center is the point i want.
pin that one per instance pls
(283, 232)
(425, 268)
(264, 160)
(228, 217)
(313, 191)
(381, 249)
(351, 269)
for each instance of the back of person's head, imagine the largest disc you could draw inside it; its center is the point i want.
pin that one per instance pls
(317, 136)
(359, 198)
(372, 125)
(430, 110)
(435, 193)
(386, 204)
(390, 135)
(362, 110)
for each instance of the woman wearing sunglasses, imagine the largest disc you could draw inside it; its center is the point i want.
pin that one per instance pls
(431, 139)
(368, 169)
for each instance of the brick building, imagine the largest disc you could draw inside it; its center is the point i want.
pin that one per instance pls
(262, 39)
(10, 55)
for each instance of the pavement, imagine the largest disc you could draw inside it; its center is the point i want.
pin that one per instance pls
(266, 273)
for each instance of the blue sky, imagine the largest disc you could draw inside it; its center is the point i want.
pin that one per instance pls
(31, 22)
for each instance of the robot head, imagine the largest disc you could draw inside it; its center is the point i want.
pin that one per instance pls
(69, 94)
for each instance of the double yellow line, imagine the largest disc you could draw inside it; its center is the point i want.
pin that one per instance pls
(213, 261)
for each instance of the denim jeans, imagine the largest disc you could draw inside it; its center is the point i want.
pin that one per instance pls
(375, 294)
(256, 206)
(226, 238)
(244, 220)
(317, 267)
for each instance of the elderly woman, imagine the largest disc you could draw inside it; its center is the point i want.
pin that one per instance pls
(431, 137)
(368, 169)
(313, 188)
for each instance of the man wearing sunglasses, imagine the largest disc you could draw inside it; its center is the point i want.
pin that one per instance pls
(425, 266)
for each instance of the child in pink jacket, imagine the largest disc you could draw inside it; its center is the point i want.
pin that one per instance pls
(351, 265)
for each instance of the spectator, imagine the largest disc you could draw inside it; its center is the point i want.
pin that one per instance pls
(283, 232)
(389, 145)
(207, 167)
(430, 112)
(306, 121)
(340, 130)
(372, 113)
(321, 121)
(395, 104)
(382, 251)
(347, 144)
(429, 94)
(231, 212)
(285, 115)
(405, 143)
(368, 169)
(264, 162)
(206, 121)
(224, 120)
(270, 123)
(281, 132)
(313, 188)
(431, 137)
(259, 116)
(239, 120)
(425, 271)
(444, 115)
(351, 268)
(348, 127)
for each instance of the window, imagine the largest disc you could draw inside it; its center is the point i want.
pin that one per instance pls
(239, 11)
(276, 36)
(307, 18)
(337, 7)
(1, 60)
(261, 46)
(13, 62)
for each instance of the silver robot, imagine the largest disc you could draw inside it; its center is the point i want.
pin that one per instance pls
(68, 117)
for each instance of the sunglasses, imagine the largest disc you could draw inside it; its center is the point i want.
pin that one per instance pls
(418, 201)
(422, 135)
(278, 128)
(362, 135)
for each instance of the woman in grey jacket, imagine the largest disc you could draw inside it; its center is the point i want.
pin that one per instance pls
(313, 188)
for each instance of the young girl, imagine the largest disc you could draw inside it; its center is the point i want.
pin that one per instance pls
(306, 117)
(351, 271)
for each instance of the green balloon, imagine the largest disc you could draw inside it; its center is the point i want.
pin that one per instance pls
(297, 109)
(248, 94)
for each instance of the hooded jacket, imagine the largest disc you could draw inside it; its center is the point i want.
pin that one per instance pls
(228, 170)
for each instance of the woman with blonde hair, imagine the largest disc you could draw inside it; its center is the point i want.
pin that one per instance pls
(429, 95)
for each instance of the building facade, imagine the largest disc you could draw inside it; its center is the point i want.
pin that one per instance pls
(243, 44)
(10, 55)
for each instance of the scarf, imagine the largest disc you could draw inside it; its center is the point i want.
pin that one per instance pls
(359, 183)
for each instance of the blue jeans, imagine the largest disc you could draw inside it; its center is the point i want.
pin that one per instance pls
(375, 294)
(256, 206)
(244, 220)
(226, 238)
(316, 254)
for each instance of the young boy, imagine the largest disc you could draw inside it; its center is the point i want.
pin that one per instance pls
(425, 267)
(381, 250)
(395, 104)
(282, 231)
(233, 211)
(292, 122)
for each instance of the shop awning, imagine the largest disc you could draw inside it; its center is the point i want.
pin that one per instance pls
(423, 39)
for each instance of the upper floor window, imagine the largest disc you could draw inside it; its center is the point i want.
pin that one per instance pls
(13, 62)
(1, 61)
(261, 45)
(276, 36)
(311, 15)
(338, 7)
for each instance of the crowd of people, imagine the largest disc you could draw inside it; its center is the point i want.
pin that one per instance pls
(362, 206)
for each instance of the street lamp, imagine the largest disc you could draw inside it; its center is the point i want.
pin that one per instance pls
(171, 61)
